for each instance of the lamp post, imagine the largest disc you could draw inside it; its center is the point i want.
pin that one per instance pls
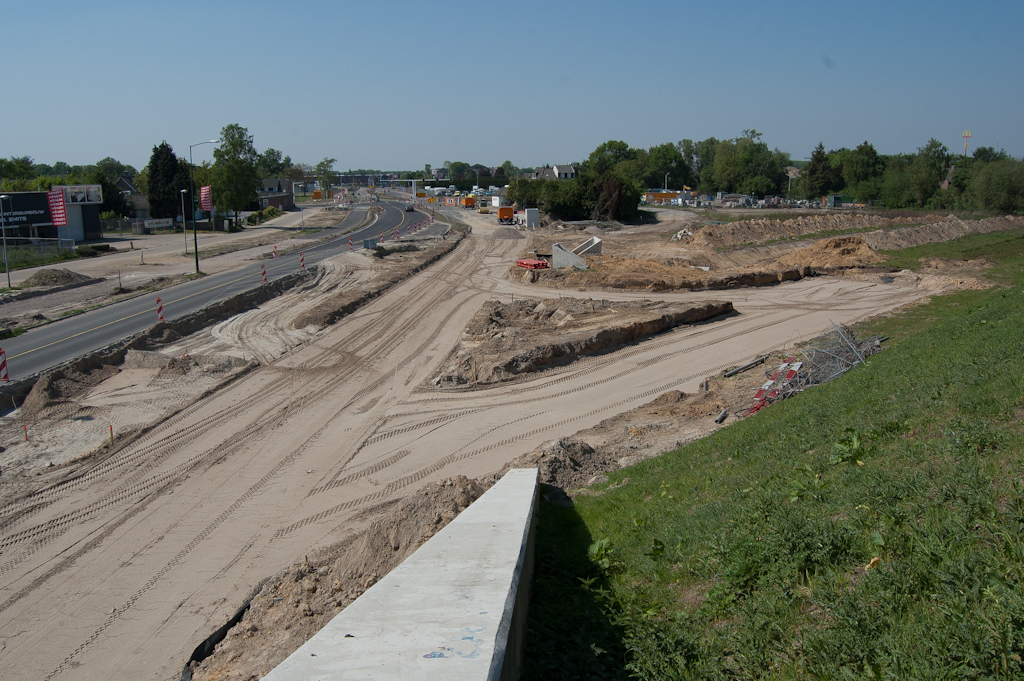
(184, 231)
(666, 183)
(192, 194)
(3, 228)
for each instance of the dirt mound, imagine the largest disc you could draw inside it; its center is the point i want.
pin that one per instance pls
(837, 252)
(296, 603)
(58, 277)
(504, 341)
(946, 230)
(567, 464)
(508, 233)
(62, 385)
(612, 272)
(767, 229)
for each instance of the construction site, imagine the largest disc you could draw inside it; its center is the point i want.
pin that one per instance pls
(269, 467)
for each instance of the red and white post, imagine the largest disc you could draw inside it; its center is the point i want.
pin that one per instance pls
(4, 376)
(159, 309)
(350, 246)
(275, 250)
(302, 261)
(263, 273)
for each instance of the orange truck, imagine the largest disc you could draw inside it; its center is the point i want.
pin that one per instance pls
(469, 202)
(506, 216)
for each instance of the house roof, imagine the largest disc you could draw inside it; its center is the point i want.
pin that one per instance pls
(276, 184)
(126, 184)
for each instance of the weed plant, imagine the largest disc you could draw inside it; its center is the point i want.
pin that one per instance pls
(872, 527)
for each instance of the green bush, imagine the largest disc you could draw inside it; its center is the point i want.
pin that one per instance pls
(261, 216)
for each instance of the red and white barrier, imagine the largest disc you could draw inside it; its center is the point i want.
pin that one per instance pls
(159, 309)
(275, 250)
(302, 261)
(263, 273)
(4, 376)
(350, 246)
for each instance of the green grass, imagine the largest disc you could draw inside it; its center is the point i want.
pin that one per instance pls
(19, 259)
(744, 555)
(1004, 249)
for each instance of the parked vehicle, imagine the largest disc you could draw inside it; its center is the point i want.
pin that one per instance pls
(506, 216)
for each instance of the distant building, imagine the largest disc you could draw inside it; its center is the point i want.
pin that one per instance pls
(566, 172)
(671, 197)
(276, 192)
(563, 172)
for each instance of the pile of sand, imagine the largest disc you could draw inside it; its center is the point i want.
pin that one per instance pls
(835, 253)
(508, 233)
(58, 277)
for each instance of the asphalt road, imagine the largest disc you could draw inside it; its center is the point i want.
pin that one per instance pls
(52, 344)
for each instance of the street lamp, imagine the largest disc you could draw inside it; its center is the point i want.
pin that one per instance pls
(184, 231)
(666, 183)
(192, 194)
(3, 228)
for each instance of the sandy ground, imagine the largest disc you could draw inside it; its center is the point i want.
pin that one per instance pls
(118, 564)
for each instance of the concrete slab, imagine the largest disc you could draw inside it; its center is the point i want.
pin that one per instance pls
(563, 257)
(447, 611)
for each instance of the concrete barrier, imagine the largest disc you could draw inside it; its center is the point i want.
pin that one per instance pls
(454, 609)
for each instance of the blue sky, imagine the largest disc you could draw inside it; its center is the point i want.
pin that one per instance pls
(399, 84)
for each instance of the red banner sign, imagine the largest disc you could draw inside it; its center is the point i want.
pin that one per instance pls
(58, 213)
(205, 198)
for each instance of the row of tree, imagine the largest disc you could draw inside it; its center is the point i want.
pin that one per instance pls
(932, 178)
(234, 175)
(608, 180)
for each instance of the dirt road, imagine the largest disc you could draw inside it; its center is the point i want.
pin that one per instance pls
(119, 571)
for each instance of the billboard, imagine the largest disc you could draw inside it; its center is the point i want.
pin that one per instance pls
(26, 208)
(82, 193)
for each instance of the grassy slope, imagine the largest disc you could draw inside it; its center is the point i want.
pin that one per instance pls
(744, 555)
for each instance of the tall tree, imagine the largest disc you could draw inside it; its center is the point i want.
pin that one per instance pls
(608, 155)
(113, 169)
(818, 174)
(862, 172)
(325, 173)
(235, 174)
(929, 170)
(999, 186)
(704, 163)
(272, 163)
(164, 200)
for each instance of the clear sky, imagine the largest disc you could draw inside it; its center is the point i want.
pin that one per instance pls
(395, 85)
